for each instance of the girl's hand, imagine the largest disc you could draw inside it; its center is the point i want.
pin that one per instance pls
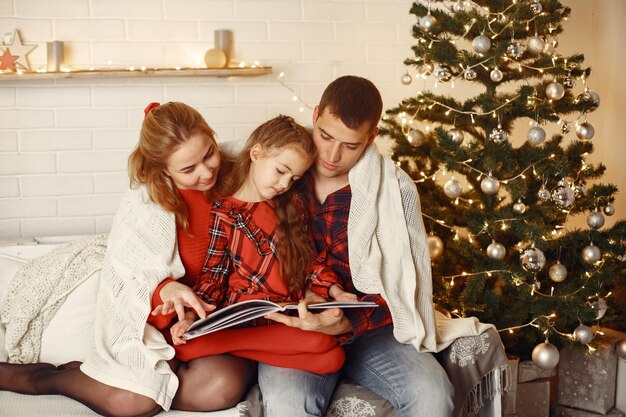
(178, 330)
(176, 297)
(339, 294)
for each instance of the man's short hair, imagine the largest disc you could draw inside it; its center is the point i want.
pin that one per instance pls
(355, 100)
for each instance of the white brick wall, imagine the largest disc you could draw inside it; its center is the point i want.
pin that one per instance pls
(64, 143)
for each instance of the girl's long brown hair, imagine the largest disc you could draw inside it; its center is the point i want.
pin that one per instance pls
(295, 252)
(164, 129)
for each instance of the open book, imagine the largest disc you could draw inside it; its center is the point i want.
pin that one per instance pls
(251, 309)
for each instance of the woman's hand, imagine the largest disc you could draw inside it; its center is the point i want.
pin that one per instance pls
(178, 330)
(176, 297)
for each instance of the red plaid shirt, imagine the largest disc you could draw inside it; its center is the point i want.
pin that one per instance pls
(241, 260)
(330, 231)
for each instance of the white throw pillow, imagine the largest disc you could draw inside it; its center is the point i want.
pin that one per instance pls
(71, 329)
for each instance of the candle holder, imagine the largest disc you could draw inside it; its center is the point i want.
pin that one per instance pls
(55, 56)
(223, 40)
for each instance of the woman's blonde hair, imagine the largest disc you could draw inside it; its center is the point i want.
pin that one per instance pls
(295, 252)
(165, 128)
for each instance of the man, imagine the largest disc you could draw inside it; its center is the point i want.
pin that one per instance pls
(344, 127)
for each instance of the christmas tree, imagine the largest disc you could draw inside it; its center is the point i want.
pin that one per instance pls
(496, 213)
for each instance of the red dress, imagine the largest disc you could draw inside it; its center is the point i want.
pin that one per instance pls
(275, 344)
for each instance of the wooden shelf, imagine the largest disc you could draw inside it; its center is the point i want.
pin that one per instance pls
(148, 72)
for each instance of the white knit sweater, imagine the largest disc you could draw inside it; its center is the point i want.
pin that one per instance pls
(128, 353)
(389, 254)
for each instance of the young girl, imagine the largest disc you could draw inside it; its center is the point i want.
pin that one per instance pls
(129, 371)
(260, 248)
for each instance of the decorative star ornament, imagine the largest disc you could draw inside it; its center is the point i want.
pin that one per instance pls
(7, 61)
(20, 50)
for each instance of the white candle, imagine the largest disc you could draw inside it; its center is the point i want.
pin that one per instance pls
(55, 56)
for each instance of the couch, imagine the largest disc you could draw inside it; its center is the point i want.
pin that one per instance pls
(64, 340)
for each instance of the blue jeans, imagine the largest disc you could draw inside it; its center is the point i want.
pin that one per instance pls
(414, 383)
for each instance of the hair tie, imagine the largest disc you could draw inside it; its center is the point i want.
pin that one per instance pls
(150, 106)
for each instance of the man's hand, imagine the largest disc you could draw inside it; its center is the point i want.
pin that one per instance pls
(330, 321)
(176, 297)
(339, 294)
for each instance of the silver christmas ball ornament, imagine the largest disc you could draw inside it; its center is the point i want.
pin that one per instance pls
(428, 22)
(583, 334)
(545, 355)
(496, 250)
(452, 188)
(469, 74)
(536, 136)
(585, 131)
(595, 220)
(458, 7)
(415, 137)
(557, 272)
(536, 7)
(555, 90)
(569, 82)
(435, 246)
(498, 135)
(406, 79)
(544, 193)
(532, 260)
(620, 348)
(563, 196)
(496, 75)
(490, 185)
(456, 136)
(599, 305)
(593, 96)
(515, 50)
(535, 45)
(591, 254)
(519, 207)
(443, 73)
(609, 210)
(481, 44)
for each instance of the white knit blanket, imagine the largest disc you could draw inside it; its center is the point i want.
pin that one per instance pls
(389, 254)
(39, 288)
(127, 352)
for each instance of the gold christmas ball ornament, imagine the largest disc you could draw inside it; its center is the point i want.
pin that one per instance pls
(555, 90)
(435, 246)
(583, 334)
(585, 131)
(557, 272)
(496, 251)
(546, 355)
(215, 58)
